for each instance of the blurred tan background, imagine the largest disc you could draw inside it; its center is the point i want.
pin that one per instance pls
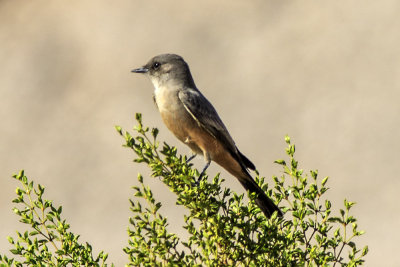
(325, 72)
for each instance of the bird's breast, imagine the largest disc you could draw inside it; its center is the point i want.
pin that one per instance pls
(173, 112)
(167, 100)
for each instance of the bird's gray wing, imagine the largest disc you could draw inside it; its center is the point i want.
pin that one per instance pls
(206, 116)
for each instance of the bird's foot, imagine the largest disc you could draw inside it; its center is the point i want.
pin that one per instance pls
(197, 182)
(191, 157)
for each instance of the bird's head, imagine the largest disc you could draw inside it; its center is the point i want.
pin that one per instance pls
(166, 69)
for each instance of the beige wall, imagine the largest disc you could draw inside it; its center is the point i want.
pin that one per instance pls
(325, 72)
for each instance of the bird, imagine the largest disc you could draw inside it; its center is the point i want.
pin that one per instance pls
(194, 121)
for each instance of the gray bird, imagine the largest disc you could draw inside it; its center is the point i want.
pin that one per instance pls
(195, 122)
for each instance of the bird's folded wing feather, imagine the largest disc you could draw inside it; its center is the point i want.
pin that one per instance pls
(206, 116)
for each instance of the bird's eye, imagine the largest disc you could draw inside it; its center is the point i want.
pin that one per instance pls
(156, 65)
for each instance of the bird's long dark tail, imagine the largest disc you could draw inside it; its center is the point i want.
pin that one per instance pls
(266, 205)
(237, 164)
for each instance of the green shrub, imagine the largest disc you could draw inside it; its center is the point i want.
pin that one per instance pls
(222, 228)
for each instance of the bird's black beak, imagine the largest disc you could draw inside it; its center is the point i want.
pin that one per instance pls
(140, 70)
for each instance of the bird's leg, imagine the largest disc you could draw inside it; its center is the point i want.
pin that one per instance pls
(191, 157)
(203, 171)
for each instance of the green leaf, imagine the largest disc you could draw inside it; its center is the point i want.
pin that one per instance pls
(324, 181)
(364, 251)
(119, 129)
(280, 162)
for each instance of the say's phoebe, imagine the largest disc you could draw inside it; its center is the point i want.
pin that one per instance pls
(195, 122)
